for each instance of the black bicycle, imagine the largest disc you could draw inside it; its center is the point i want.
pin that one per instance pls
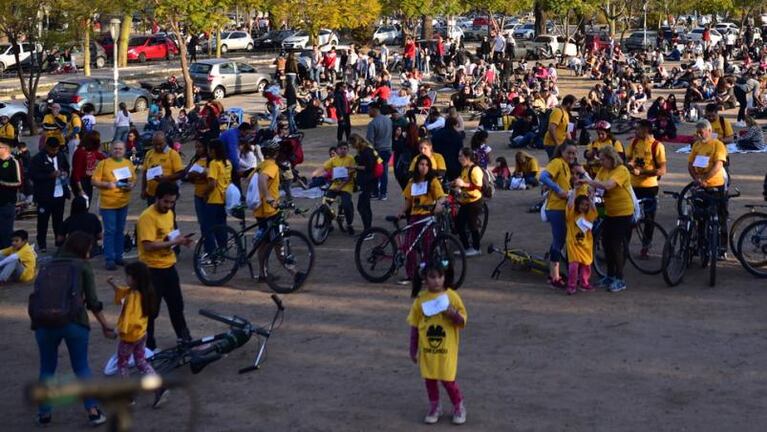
(204, 351)
(756, 212)
(752, 248)
(321, 219)
(287, 261)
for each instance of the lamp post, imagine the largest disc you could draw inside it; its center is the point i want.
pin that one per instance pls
(114, 31)
(644, 26)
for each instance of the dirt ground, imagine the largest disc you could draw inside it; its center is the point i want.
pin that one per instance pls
(654, 358)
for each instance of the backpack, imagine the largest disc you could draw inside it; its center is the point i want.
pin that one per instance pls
(378, 169)
(57, 298)
(543, 123)
(488, 182)
(253, 195)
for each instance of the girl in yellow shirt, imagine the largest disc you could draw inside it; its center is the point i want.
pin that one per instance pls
(218, 176)
(434, 339)
(580, 215)
(469, 186)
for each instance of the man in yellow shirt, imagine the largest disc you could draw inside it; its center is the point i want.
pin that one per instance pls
(559, 128)
(341, 169)
(163, 164)
(156, 239)
(706, 167)
(721, 128)
(17, 262)
(54, 124)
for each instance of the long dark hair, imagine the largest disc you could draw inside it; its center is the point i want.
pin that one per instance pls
(478, 139)
(139, 272)
(216, 151)
(429, 175)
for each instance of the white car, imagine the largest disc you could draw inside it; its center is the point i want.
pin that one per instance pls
(16, 112)
(725, 26)
(387, 34)
(552, 46)
(524, 31)
(696, 35)
(300, 40)
(235, 40)
(7, 58)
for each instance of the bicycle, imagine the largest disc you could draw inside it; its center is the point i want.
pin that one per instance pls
(482, 217)
(288, 258)
(321, 219)
(201, 352)
(752, 248)
(380, 250)
(520, 260)
(745, 220)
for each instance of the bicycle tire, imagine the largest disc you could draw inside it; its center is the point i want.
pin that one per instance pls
(228, 257)
(294, 245)
(600, 260)
(682, 200)
(383, 252)
(652, 263)
(735, 229)
(447, 251)
(620, 127)
(320, 223)
(166, 361)
(754, 240)
(675, 256)
(713, 247)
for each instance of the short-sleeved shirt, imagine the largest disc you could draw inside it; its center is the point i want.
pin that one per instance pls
(169, 160)
(559, 171)
(155, 226)
(580, 242)
(529, 166)
(27, 258)
(221, 172)
(113, 198)
(58, 133)
(201, 182)
(74, 123)
(437, 163)
(473, 176)
(561, 118)
(644, 155)
(597, 144)
(710, 152)
(716, 127)
(132, 324)
(423, 202)
(341, 162)
(269, 169)
(618, 201)
(438, 337)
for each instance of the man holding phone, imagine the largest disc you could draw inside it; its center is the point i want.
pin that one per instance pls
(156, 239)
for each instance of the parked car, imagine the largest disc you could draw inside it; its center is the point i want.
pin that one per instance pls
(524, 31)
(300, 40)
(474, 33)
(235, 40)
(636, 40)
(552, 46)
(73, 94)
(697, 35)
(153, 47)
(272, 39)
(7, 57)
(599, 40)
(16, 112)
(222, 77)
(723, 26)
(98, 55)
(452, 32)
(387, 34)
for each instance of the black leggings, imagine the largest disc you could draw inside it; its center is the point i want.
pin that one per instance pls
(363, 204)
(615, 234)
(468, 217)
(344, 127)
(740, 95)
(167, 286)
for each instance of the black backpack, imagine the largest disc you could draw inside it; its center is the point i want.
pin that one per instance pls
(543, 123)
(57, 299)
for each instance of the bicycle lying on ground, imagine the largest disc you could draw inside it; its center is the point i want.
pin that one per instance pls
(288, 257)
(321, 219)
(204, 351)
(520, 260)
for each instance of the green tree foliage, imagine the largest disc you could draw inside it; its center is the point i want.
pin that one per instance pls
(313, 15)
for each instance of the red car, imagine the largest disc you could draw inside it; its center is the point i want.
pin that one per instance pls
(153, 47)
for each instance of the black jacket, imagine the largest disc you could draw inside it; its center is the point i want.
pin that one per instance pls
(448, 142)
(40, 172)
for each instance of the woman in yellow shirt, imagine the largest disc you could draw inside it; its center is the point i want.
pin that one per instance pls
(196, 173)
(437, 161)
(613, 183)
(115, 178)
(469, 187)
(423, 197)
(526, 166)
(218, 176)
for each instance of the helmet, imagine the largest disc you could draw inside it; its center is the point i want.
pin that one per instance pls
(602, 124)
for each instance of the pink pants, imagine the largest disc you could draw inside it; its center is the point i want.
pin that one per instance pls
(124, 351)
(574, 271)
(432, 389)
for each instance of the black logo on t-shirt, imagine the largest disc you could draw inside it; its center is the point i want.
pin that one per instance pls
(436, 336)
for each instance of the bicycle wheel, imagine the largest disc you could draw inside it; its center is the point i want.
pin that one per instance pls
(375, 254)
(737, 228)
(220, 266)
(675, 256)
(681, 202)
(447, 252)
(713, 247)
(646, 254)
(752, 245)
(288, 262)
(320, 223)
(600, 260)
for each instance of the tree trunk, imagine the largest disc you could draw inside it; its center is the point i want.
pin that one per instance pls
(122, 48)
(427, 29)
(540, 18)
(188, 84)
(87, 48)
(218, 42)
(29, 85)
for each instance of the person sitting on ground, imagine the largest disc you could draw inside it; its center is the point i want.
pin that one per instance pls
(18, 261)
(526, 166)
(502, 173)
(751, 139)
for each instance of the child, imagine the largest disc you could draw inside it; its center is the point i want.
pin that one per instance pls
(182, 119)
(502, 173)
(88, 119)
(17, 262)
(321, 176)
(434, 342)
(580, 216)
(138, 303)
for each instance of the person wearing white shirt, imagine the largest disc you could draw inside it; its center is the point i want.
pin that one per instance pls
(434, 121)
(499, 47)
(250, 157)
(122, 123)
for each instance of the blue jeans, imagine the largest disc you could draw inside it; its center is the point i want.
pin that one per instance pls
(383, 182)
(275, 112)
(121, 133)
(558, 233)
(292, 119)
(7, 215)
(522, 141)
(48, 341)
(214, 215)
(114, 232)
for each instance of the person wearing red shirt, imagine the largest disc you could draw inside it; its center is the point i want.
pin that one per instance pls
(440, 50)
(382, 92)
(84, 161)
(409, 53)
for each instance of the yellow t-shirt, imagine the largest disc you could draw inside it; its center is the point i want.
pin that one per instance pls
(74, 122)
(201, 183)
(473, 192)
(132, 324)
(437, 163)
(561, 118)
(50, 119)
(27, 258)
(7, 131)
(559, 171)
(597, 144)
(640, 154)
(221, 172)
(423, 203)
(155, 226)
(617, 200)
(113, 198)
(269, 169)
(716, 127)
(709, 152)
(580, 244)
(170, 162)
(438, 337)
(530, 166)
(341, 162)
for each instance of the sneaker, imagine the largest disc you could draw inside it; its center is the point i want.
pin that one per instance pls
(605, 282)
(120, 262)
(404, 281)
(459, 414)
(740, 124)
(350, 230)
(586, 289)
(110, 266)
(617, 286)
(383, 197)
(432, 416)
(97, 419)
(571, 291)
(160, 397)
(374, 195)
(470, 252)
(368, 237)
(722, 256)
(43, 420)
(559, 283)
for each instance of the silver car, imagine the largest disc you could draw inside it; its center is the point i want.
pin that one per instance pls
(222, 77)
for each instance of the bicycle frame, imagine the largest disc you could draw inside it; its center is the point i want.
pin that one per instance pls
(517, 257)
(426, 222)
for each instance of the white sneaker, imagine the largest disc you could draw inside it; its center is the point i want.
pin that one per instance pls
(470, 252)
(740, 124)
(432, 416)
(459, 414)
